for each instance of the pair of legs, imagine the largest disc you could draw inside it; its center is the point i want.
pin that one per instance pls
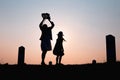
(58, 59)
(45, 46)
(43, 57)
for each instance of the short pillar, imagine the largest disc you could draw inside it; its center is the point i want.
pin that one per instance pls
(21, 55)
(110, 48)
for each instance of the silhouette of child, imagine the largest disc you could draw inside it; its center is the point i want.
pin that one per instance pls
(58, 48)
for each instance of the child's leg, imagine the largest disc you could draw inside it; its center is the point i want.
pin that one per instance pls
(60, 58)
(57, 59)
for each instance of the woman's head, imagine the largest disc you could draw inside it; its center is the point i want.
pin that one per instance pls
(45, 25)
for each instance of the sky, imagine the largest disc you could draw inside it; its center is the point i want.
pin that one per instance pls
(85, 24)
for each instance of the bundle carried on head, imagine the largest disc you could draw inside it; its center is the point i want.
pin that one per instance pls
(46, 16)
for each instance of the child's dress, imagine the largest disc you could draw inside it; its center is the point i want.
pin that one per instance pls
(58, 49)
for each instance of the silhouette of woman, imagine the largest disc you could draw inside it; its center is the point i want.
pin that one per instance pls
(58, 48)
(46, 36)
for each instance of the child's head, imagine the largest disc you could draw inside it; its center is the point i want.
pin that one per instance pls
(60, 34)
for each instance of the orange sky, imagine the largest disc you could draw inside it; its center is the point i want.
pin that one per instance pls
(84, 24)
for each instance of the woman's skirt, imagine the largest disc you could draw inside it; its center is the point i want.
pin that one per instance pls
(46, 45)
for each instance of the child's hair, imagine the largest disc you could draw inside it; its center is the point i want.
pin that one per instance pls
(60, 34)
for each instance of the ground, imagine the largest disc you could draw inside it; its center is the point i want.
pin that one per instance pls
(61, 72)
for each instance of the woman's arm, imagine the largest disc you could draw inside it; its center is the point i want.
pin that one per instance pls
(40, 25)
(52, 24)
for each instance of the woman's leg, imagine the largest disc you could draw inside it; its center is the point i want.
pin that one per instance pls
(43, 57)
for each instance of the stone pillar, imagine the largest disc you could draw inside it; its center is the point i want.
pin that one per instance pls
(21, 55)
(110, 49)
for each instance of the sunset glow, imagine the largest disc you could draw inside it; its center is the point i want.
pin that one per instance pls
(85, 23)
